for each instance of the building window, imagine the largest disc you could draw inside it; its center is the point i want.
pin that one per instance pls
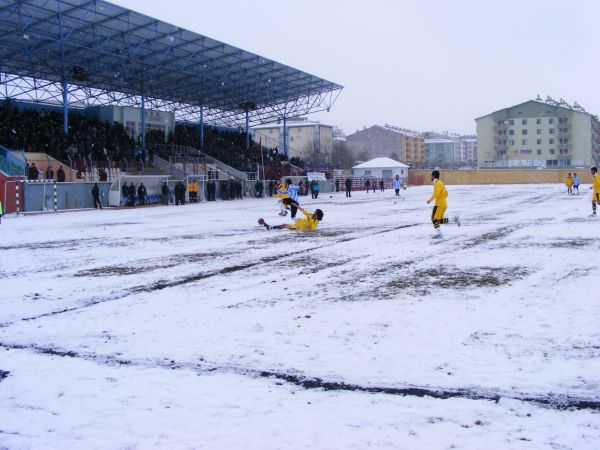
(551, 131)
(524, 122)
(538, 121)
(550, 120)
(511, 132)
(552, 152)
(511, 142)
(551, 141)
(511, 122)
(523, 141)
(525, 152)
(539, 151)
(539, 131)
(563, 120)
(539, 142)
(524, 131)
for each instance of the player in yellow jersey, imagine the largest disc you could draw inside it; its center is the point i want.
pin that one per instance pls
(439, 195)
(281, 194)
(569, 184)
(596, 187)
(310, 222)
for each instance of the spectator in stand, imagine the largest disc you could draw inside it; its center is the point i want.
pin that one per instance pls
(33, 172)
(348, 187)
(165, 193)
(60, 175)
(141, 192)
(96, 196)
(102, 175)
(49, 173)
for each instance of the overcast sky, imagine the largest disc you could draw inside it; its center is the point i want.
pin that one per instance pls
(424, 65)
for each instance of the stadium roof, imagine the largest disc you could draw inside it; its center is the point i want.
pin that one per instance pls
(111, 55)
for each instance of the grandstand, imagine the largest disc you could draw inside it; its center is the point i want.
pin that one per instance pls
(68, 58)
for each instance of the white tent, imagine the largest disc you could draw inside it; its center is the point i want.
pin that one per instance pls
(381, 168)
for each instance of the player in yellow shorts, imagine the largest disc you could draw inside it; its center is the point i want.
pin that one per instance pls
(569, 184)
(439, 195)
(281, 194)
(596, 187)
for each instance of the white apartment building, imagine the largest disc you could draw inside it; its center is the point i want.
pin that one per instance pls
(538, 134)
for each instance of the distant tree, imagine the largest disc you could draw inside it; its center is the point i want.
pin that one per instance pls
(341, 156)
(395, 156)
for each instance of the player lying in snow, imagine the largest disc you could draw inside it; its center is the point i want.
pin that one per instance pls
(309, 223)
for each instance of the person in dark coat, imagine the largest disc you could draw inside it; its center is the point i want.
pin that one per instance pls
(141, 192)
(33, 172)
(125, 193)
(337, 185)
(165, 194)
(132, 194)
(60, 175)
(259, 188)
(270, 188)
(368, 185)
(382, 185)
(348, 187)
(96, 196)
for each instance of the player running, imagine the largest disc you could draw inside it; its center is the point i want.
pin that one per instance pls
(596, 187)
(291, 201)
(439, 195)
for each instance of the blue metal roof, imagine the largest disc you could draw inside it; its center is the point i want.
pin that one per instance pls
(112, 55)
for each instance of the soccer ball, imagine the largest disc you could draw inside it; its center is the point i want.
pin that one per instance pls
(261, 221)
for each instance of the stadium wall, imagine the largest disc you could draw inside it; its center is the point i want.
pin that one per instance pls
(39, 196)
(499, 176)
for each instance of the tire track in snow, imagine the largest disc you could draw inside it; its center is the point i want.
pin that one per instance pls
(550, 400)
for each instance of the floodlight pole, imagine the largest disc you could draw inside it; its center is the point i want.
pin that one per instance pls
(202, 128)
(143, 122)
(65, 95)
(247, 129)
(285, 141)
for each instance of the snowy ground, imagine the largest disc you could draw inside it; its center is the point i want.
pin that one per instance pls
(193, 327)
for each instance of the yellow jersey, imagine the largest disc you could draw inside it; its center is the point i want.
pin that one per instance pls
(310, 223)
(439, 193)
(596, 183)
(569, 181)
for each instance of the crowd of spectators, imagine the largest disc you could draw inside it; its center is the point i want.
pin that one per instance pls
(90, 140)
(227, 146)
(42, 131)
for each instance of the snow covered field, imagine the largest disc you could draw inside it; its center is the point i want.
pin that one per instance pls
(194, 327)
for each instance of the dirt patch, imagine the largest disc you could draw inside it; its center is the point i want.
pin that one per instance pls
(148, 265)
(423, 280)
(491, 236)
(311, 264)
(572, 243)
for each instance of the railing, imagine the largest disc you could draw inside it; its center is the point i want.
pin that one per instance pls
(11, 165)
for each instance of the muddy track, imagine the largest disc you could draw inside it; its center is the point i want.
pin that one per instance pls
(550, 400)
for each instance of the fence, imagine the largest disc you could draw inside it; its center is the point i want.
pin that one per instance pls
(49, 196)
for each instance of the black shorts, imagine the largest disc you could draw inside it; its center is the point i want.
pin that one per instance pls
(288, 201)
